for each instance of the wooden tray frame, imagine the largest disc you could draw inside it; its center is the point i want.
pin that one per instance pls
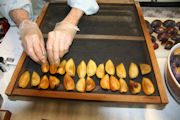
(162, 99)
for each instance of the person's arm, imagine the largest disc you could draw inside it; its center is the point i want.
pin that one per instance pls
(60, 39)
(30, 34)
(19, 15)
(74, 16)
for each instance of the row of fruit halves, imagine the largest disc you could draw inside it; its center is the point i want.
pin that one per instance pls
(102, 72)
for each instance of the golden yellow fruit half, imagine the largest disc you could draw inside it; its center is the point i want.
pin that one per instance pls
(123, 84)
(35, 79)
(90, 84)
(91, 68)
(104, 83)
(45, 67)
(61, 70)
(114, 83)
(70, 67)
(145, 68)
(53, 69)
(54, 82)
(24, 79)
(133, 70)
(177, 51)
(147, 86)
(81, 85)
(100, 71)
(44, 84)
(109, 67)
(121, 71)
(81, 69)
(134, 87)
(68, 82)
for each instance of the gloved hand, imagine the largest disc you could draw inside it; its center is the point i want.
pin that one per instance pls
(32, 41)
(59, 41)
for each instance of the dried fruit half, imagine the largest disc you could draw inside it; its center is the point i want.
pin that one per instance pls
(134, 87)
(104, 83)
(147, 86)
(81, 85)
(177, 51)
(100, 71)
(123, 84)
(121, 71)
(109, 67)
(114, 83)
(24, 79)
(45, 67)
(53, 69)
(44, 84)
(54, 82)
(91, 68)
(70, 67)
(133, 70)
(68, 82)
(35, 79)
(145, 68)
(81, 69)
(90, 84)
(61, 70)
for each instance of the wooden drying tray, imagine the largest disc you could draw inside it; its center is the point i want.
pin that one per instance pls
(160, 99)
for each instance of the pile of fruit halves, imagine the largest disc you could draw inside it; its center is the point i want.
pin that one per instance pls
(105, 73)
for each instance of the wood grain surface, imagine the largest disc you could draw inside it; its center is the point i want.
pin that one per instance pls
(162, 91)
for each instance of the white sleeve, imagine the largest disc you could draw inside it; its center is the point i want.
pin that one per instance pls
(7, 5)
(89, 7)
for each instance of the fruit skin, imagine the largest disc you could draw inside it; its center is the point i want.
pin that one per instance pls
(121, 71)
(54, 82)
(169, 23)
(171, 31)
(133, 70)
(155, 45)
(178, 25)
(44, 84)
(35, 79)
(159, 30)
(90, 84)
(156, 23)
(149, 27)
(104, 83)
(145, 69)
(123, 86)
(81, 85)
(153, 39)
(53, 69)
(24, 79)
(70, 67)
(109, 67)
(176, 38)
(91, 68)
(100, 72)
(134, 87)
(68, 82)
(45, 67)
(61, 70)
(168, 45)
(114, 83)
(81, 69)
(163, 37)
(147, 86)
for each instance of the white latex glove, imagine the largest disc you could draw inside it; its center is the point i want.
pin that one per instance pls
(59, 41)
(32, 41)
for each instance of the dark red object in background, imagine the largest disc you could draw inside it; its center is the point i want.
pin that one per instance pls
(4, 26)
